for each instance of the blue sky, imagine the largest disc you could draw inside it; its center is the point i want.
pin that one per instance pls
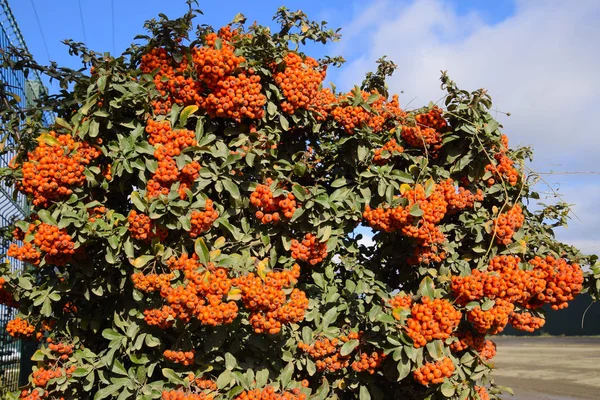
(534, 57)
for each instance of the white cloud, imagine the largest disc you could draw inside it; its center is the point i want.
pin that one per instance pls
(540, 64)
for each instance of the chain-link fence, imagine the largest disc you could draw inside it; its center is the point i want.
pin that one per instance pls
(14, 355)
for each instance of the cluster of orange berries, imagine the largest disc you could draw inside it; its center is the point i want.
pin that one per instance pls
(56, 245)
(232, 94)
(431, 320)
(352, 117)
(426, 134)
(151, 282)
(266, 299)
(96, 213)
(168, 144)
(26, 253)
(169, 80)
(180, 357)
(20, 328)
(482, 393)
(309, 250)
(63, 349)
(202, 383)
(299, 81)
(400, 301)
(435, 372)
(443, 199)
(564, 281)
(201, 221)
(475, 341)
(549, 281)
(322, 104)
(507, 224)
(271, 209)
(493, 320)
(181, 395)
(392, 147)
(141, 227)
(526, 321)
(34, 394)
(326, 353)
(202, 295)
(269, 393)
(369, 362)
(504, 165)
(503, 279)
(53, 169)
(162, 318)
(41, 377)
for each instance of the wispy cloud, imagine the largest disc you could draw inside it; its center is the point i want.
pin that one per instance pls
(540, 64)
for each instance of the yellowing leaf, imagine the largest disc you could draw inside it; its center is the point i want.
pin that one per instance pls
(219, 242)
(404, 188)
(262, 268)
(48, 139)
(214, 254)
(234, 294)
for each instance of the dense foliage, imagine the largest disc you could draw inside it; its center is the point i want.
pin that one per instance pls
(193, 227)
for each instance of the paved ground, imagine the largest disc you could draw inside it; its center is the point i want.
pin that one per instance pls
(549, 368)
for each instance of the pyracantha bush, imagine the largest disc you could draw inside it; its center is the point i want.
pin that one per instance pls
(193, 227)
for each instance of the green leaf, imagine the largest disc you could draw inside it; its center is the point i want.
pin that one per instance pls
(487, 304)
(403, 367)
(107, 391)
(435, 349)
(286, 375)
(46, 217)
(427, 287)
(80, 372)
(111, 334)
(415, 210)
(118, 368)
(25, 283)
(38, 356)
(261, 377)
(348, 347)
(299, 192)
(329, 317)
(172, 376)
(63, 123)
(448, 389)
(230, 361)
(363, 151)
(202, 251)
(225, 379)
(137, 201)
(285, 125)
(232, 189)
(364, 393)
